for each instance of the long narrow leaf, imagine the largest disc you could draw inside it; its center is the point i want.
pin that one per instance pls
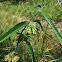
(31, 50)
(38, 23)
(53, 27)
(24, 38)
(13, 30)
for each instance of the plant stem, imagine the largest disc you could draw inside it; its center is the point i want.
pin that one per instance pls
(26, 26)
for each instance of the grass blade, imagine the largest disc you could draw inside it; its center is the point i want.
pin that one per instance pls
(55, 60)
(53, 27)
(13, 30)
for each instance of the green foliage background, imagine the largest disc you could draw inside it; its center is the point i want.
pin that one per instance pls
(45, 46)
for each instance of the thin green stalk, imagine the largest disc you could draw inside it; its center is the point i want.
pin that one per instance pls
(44, 41)
(55, 60)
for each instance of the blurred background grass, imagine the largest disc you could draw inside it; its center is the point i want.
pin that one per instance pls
(14, 11)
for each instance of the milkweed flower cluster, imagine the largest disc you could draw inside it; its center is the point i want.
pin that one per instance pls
(60, 2)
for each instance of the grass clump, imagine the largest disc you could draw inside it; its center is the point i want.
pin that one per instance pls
(35, 43)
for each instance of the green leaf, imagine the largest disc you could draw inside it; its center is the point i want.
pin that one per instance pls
(38, 23)
(53, 27)
(24, 38)
(39, 6)
(31, 50)
(43, 2)
(30, 47)
(13, 30)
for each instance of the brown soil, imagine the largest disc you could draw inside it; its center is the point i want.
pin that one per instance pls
(58, 25)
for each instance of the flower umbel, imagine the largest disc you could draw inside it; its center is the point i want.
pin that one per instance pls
(60, 2)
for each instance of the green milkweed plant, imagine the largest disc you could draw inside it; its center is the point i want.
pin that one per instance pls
(23, 25)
